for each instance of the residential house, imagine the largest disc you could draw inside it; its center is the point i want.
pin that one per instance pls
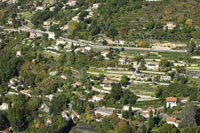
(49, 97)
(105, 53)
(88, 48)
(51, 35)
(52, 8)
(91, 100)
(97, 98)
(33, 35)
(26, 92)
(39, 8)
(169, 26)
(4, 106)
(103, 112)
(81, 50)
(75, 115)
(107, 83)
(75, 18)
(18, 54)
(123, 61)
(95, 6)
(165, 78)
(152, 65)
(65, 115)
(47, 23)
(146, 112)
(45, 108)
(173, 121)
(60, 41)
(63, 77)
(171, 102)
(77, 84)
(71, 2)
(48, 121)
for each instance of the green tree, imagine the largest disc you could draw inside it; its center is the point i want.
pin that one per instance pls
(188, 115)
(116, 92)
(58, 103)
(60, 125)
(16, 113)
(151, 120)
(4, 123)
(168, 128)
(124, 80)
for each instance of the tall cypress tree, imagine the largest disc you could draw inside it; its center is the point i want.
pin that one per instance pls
(151, 120)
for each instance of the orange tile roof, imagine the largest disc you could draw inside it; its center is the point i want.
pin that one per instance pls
(171, 119)
(75, 114)
(171, 99)
(100, 96)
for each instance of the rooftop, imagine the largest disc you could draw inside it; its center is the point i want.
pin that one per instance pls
(171, 99)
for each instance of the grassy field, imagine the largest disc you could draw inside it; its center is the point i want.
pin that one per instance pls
(143, 89)
(146, 104)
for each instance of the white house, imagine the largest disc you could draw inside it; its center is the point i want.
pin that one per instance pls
(146, 112)
(39, 8)
(152, 65)
(33, 35)
(60, 41)
(103, 112)
(52, 8)
(77, 84)
(171, 102)
(71, 2)
(65, 115)
(74, 114)
(107, 83)
(95, 6)
(105, 53)
(81, 50)
(88, 48)
(4, 106)
(98, 97)
(173, 121)
(165, 78)
(48, 121)
(123, 61)
(18, 54)
(47, 23)
(51, 35)
(169, 25)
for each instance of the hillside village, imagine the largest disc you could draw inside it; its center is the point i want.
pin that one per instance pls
(62, 71)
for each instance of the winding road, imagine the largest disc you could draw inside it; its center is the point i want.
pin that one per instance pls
(26, 29)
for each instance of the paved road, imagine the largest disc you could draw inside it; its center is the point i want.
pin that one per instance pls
(138, 49)
(26, 29)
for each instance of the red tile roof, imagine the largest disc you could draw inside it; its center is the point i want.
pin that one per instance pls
(100, 96)
(171, 119)
(171, 99)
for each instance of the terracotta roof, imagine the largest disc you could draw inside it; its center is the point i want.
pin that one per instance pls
(100, 96)
(90, 99)
(60, 39)
(171, 99)
(75, 114)
(48, 120)
(171, 119)
(77, 84)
